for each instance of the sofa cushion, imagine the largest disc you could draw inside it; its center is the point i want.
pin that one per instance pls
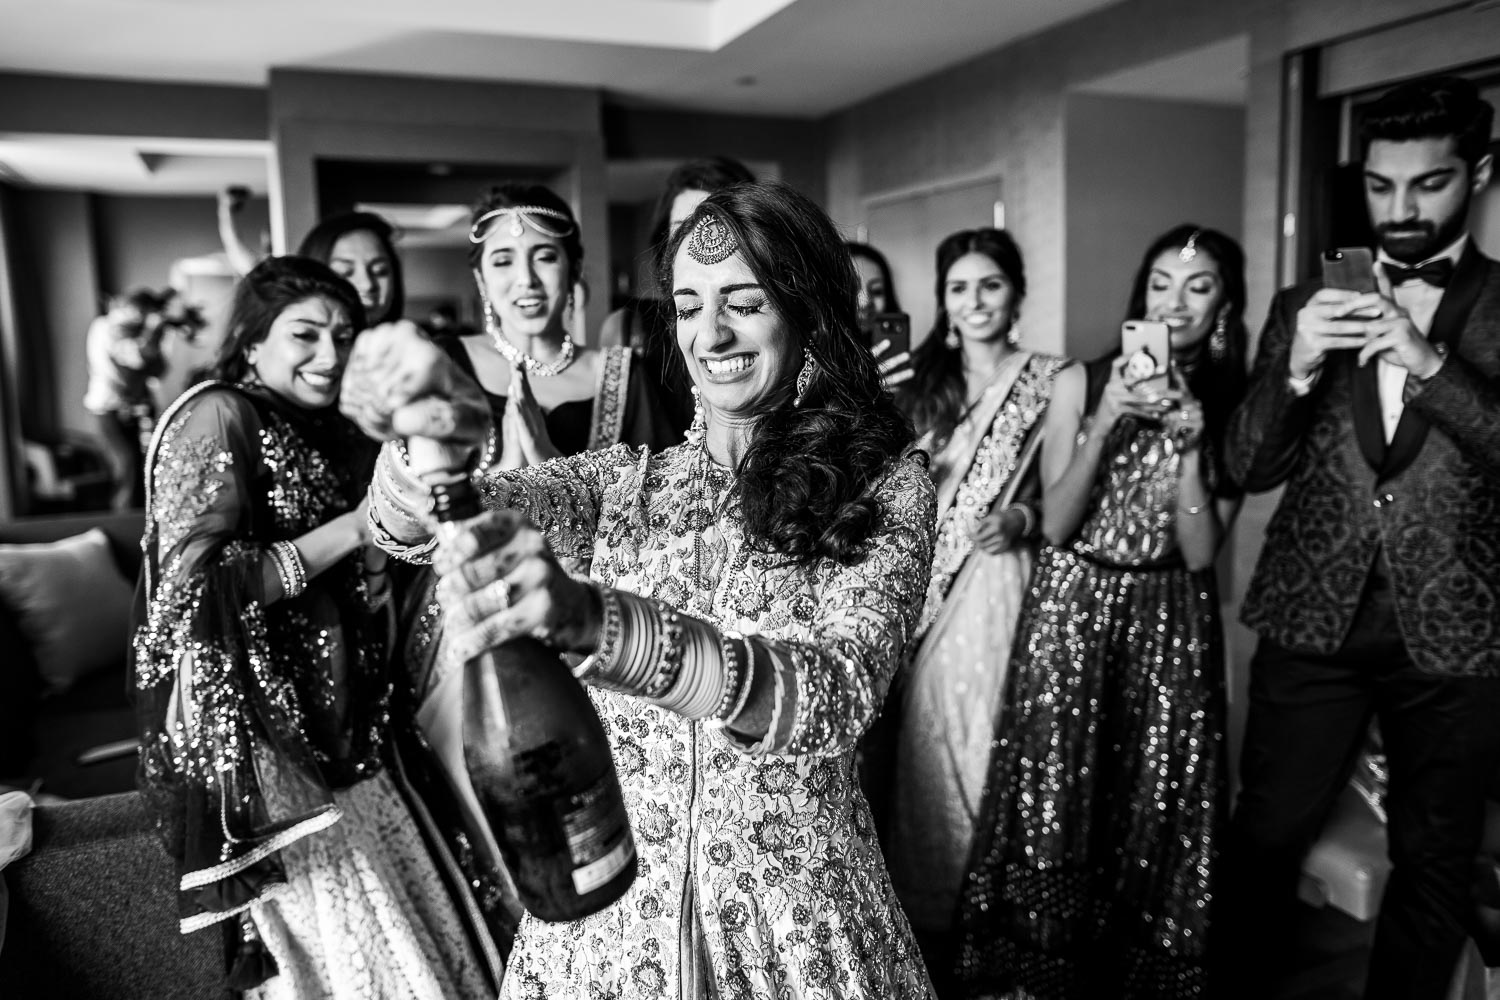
(94, 912)
(70, 602)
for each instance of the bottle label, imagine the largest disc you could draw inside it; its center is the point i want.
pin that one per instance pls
(598, 833)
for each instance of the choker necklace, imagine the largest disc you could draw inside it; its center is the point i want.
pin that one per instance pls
(525, 362)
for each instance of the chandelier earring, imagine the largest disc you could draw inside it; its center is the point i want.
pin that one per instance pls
(699, 428)
(1218, 341)
(491, 321)
(1013, 333)
(952, 340)
(251, 376)
(804, 377)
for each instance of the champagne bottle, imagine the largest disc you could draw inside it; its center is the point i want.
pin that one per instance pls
(540, 764)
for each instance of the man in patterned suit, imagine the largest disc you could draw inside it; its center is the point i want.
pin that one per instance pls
(1378, 590)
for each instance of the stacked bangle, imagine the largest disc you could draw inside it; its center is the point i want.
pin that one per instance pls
(737, 675)
(486, 454)
(669, 656)
(700, 682)
(685, 665)
(628, 644)
(1028, 518)
(610, 633)
(289, 568)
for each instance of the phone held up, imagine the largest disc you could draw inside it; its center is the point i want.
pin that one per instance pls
(1147, 348)
(1351, 269)
(894, 327)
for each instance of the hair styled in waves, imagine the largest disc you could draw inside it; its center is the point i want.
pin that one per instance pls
(805, 480)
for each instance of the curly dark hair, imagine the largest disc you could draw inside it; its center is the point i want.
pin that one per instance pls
(320, 239)
(934, 395)
(1432, 108)
(515, 195)
(805, 481)
(263, 294)
(1220, 383)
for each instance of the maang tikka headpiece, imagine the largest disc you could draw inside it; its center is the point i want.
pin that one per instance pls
(711, 240)
(1189, 249)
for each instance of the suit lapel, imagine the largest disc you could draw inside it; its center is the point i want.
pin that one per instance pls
(1448, 325)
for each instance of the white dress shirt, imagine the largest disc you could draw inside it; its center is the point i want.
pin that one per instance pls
(1420, 300)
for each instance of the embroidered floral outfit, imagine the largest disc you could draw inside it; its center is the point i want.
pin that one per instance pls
(263, 725)
(758, 876)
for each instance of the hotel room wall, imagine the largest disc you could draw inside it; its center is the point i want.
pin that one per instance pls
(1134, 168)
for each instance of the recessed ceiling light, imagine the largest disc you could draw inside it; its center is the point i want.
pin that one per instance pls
(745, 81)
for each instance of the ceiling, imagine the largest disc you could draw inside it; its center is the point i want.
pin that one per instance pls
(798, 58)
(1212, 74)
(805, 58)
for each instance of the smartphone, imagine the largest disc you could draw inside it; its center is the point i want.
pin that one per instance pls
(1147, 348)
(895, 327)
(1349, 268)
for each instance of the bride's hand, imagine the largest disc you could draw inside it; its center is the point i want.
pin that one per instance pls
(500, 580)
(398, 383)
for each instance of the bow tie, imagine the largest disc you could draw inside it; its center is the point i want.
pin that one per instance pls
(1436, 273)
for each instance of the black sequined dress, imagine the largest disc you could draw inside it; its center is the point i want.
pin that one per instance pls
(264, 724)
(1092, 866)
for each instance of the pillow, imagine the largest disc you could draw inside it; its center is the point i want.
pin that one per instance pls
(71, 604)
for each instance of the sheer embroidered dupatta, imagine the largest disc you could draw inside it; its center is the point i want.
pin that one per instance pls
(223, 689)
(987, 459)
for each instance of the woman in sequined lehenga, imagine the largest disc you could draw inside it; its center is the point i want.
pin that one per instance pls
(261, 671)
(1092, 867)
(749, 595)
(978, 401)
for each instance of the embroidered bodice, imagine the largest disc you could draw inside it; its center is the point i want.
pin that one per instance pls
(770, 857)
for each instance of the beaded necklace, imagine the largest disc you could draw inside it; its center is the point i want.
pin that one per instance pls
(523, 361)
(705, 514)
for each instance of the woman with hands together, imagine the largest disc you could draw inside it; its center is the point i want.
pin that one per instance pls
(541, 397)
(742, 601)
(1106, 788)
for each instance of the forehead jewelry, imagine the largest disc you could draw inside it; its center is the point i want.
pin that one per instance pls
(520, 217)
(711, 241)
(1189, 249)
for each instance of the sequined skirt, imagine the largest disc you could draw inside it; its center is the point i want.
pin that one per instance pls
(1092, 864)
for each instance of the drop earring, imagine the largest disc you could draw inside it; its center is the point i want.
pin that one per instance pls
(1218, 341)
(699, 426)
(1013, 334)
(952, 339)
(804, 377)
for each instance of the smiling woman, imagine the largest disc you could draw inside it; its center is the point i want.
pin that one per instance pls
(747, 598)
(261, 670)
